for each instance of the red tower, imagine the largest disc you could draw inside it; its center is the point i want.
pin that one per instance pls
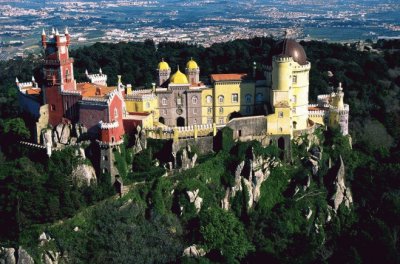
(58, 75)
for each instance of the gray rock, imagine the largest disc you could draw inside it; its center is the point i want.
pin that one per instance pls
(341, 192)
(196, 199)
(24, 257)
(84, 174)
(193, 251)
(7, 256)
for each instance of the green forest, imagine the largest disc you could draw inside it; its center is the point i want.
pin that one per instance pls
(293, 220)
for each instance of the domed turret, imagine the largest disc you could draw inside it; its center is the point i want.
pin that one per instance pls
(290, 48)
(164, 72)
(163, 65)
(191, 65)
(179, 78)
(192, 72)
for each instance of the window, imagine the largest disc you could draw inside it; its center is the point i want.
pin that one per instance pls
(165, 112)
(209, 121)
(194, 122)
(164, 101)
(294, 98)
(194, 99)
(221, 98)
(147, 104)
(248, 109)
(115, 112)
(179, 100)
(294, 124)
(221, 110)
(248, 98)
(194, 111)
(52, 107)
(294, 79)
(235, 98)
(209, 110)
(294, 110)
(209, 99)
(259, 97)
(280, 114)
(221, 120)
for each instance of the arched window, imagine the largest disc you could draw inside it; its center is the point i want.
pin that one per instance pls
(248, 98)
(221, 110)
(209, 99)
(259, 97)
(194, 99)
(147, 104)
(248, 109)
(221, 98)
(164, 101)
(115, 112)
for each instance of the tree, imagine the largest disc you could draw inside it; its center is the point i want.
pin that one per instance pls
(222, 233)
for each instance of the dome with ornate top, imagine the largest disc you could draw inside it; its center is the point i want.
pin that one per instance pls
(163, 65)
(179, 78)
(191, 64)
(290, 48)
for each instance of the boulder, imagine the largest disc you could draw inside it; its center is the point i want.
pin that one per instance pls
(193, 251)
(7, 256)
(196, 199)
(84, 174)
(24, 257)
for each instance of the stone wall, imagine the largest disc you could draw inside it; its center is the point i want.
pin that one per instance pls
(203, 144)
(248, 126)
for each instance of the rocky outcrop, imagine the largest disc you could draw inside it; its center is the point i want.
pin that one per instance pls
(250, 179)
(62, 133)
(187, 158)
(341, 193)
(48, 256)
(84, 175)
(196, 199)
(7, 256)
(193, 251)
(140, 141)
(24, 257)
(47, 140)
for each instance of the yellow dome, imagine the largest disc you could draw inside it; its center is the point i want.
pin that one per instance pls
(191, 64)
(179, 78)
(163, 65)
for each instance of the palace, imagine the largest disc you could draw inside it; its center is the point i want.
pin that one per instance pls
(179, 104)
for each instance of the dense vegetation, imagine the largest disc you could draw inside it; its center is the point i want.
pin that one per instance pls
(147, 225)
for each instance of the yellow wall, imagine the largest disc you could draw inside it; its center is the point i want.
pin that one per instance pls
(279, 125)
(145, 105)
(227, 89)
(204, 109)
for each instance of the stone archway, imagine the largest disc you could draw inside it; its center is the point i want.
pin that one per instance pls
(161, 120)
(180, 121)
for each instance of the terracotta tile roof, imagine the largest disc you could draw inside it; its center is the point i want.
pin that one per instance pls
(94, 90)
(228, 77)
(33, 91)
(313, 108)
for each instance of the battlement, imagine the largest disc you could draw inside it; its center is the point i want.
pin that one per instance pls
(341, 111)
(104, 125)
(176, 133)
(317, 113)
(282, 59)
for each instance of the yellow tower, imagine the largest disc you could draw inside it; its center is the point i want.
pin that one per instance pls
(290, 88)
(164, 71)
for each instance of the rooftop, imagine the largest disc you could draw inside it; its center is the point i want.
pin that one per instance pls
(228, 77)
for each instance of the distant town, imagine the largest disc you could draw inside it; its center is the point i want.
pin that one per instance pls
(202, 22)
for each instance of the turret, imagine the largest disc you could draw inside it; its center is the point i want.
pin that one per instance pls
(340, 96)
(67, 36)
(43, 39)
(164, 71)
(192, 71)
